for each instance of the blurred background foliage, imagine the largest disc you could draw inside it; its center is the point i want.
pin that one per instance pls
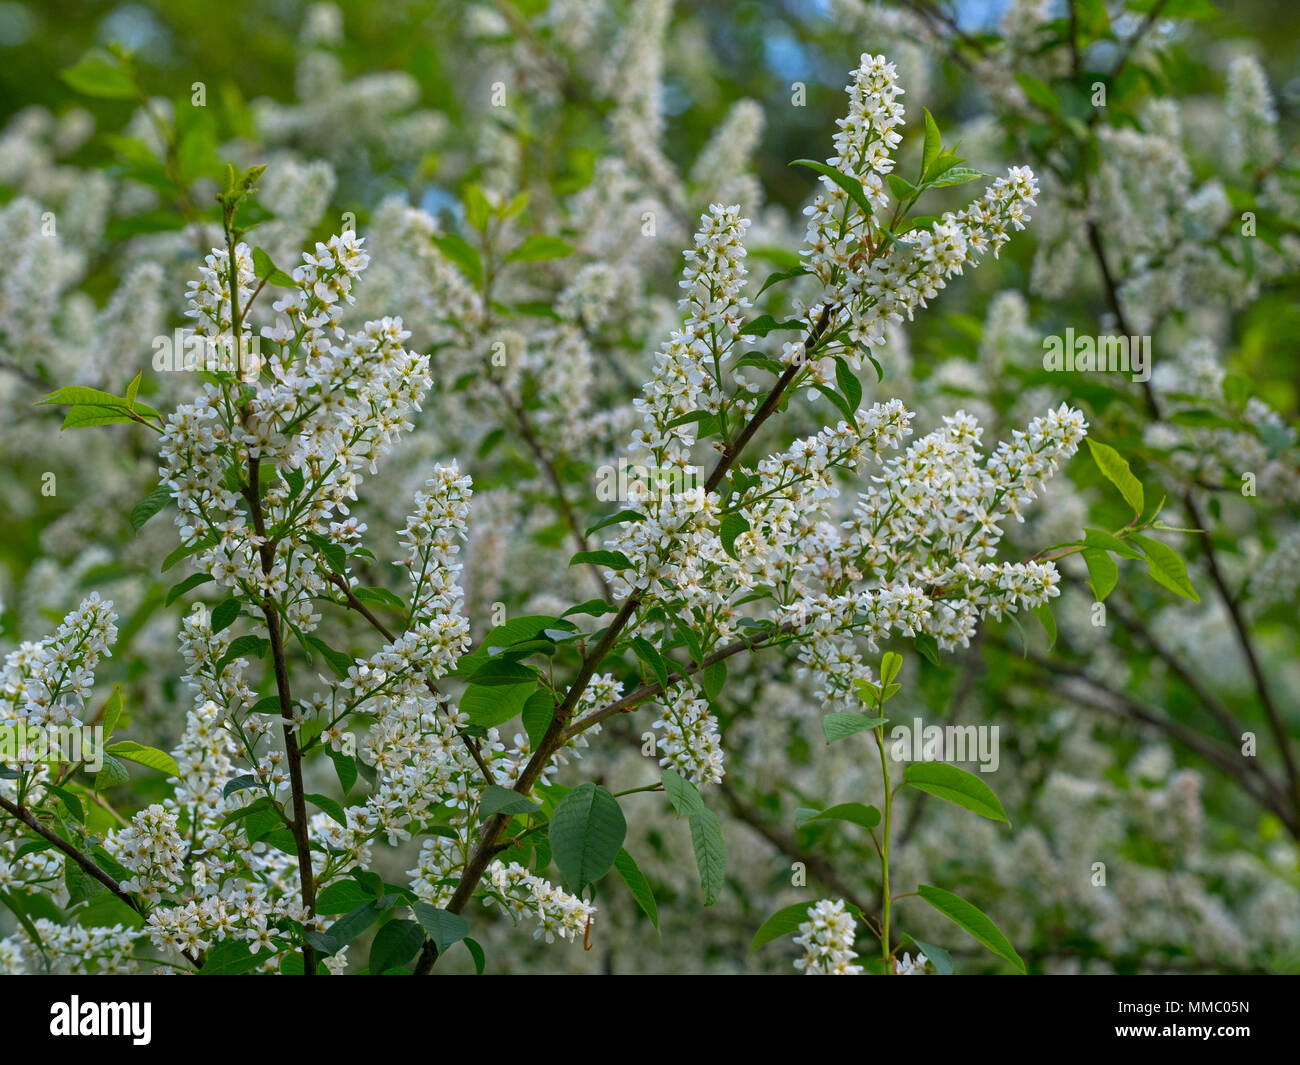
(244, 50)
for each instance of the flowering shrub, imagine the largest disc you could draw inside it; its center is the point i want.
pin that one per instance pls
(363, 768)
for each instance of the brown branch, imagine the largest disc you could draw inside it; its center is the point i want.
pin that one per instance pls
(784, 842)
(1120, 704)
(88, 865)
(554, 739)
(1276, 723)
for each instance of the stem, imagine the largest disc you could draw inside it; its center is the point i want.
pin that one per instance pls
(556, 734)
(266, 552)
(885, 900)
(87, 864)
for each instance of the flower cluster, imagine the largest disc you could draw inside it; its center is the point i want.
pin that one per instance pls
(827, 939)
(153, 850)
(690, 743)
(556, 912)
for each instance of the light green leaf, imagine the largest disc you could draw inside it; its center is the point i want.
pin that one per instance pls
(974, 920)
(957, 786)
(933, 143)
(851, 185)
(1102, 570)
(146, 756)
(1167, 568)
(838, 726)
(1115, 468)
(539, 247)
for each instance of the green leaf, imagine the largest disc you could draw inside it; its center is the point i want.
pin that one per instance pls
(784, 922)
(345, 929)
(342, 896)
(99, 74)
(1046, 618)
(732, 525)
(848, 383)
(149, 506)
(192, 581)
(476, 952)
(614, 519)
(442, 926)
(638, 885)
(499, 800)
(838, 726)
(971, 918)
(1039, 94)
(587, 830)
(146, 756)
(379, 597)
(710, 852)
(184, 551)
(339, 662)
(80, 884)
(224, 615)
(851, 185)
(330, 806)
(537, 714)
(537, 248)
(497, 672)
(902, 189)
(267, 271)
(1102, 570)
(491, 705)
(478, 211)
(1114, 467)
(957, 175)
(345, 768)
(839, 402)
(941, 958)
(649, 654)
(1167, 567)
(240, 646)
(712, 678)
(765, 323)
(112, 711)
(612, 559)
(1108, 542)
(854, 812)
(1188, 9)
(459, 251)
(111, 774)
(87, 417)
(890, 665)
(230, 957)
(684, 796)
(782, 275)
(933, 143)
(81, 396)
(957, 786)
(394, 945)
